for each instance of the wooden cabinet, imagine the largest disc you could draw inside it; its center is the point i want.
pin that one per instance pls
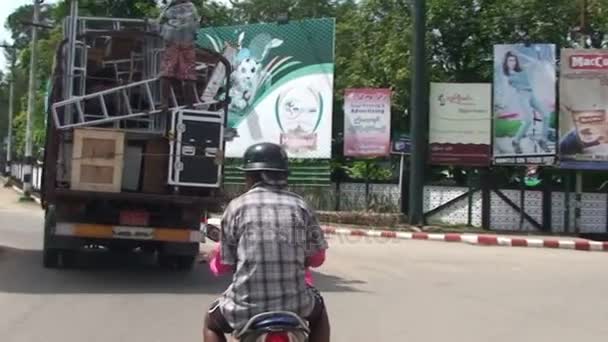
(97, 160)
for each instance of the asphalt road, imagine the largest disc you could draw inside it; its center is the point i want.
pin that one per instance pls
(376, 290)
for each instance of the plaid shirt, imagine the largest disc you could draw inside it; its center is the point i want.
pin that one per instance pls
(267, 234)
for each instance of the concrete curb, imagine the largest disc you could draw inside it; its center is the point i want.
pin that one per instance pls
(34, 197)
(472, 239)
(18, 190)
(477, 239)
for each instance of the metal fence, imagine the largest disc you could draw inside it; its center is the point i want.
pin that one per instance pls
(17, 173)
(488, 207)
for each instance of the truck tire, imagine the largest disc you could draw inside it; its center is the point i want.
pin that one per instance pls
(69, 259)
(50, 256)
(166, 260)
(185, 262)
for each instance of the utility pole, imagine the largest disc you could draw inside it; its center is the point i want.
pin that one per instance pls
(31, 103)
(9, 136)
(11, 96)
(578, 185)
(418, 116)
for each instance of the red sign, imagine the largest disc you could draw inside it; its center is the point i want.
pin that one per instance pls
(589, 61)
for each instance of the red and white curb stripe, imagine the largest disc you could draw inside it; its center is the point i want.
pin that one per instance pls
(476, 239)
(473, 239)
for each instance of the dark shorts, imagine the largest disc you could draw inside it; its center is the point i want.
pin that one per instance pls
(218, 323)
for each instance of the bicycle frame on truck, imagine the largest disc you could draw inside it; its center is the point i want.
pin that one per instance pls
(130, 161)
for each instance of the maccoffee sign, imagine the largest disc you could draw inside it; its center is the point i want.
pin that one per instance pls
(588, 62)
(583, 133)
(460, 124)
(367, 122)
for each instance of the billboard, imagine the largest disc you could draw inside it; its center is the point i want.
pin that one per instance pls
(282, 84)
(460, 123)
(525, 119)
(367, 122)
(583, 105)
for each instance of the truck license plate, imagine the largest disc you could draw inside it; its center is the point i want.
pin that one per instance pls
(134, 218)
(133, 233)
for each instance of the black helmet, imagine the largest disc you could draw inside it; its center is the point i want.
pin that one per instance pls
(265, 157)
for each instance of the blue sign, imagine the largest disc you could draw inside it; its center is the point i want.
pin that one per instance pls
(401, 145)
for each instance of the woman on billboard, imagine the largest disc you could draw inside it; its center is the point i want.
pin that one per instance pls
(519, 79)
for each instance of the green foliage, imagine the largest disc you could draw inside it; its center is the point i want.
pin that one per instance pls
(252, 11)
(110, 8)
(22, 34)
(370, 170)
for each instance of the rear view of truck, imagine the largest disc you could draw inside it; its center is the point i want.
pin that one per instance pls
(131, 162)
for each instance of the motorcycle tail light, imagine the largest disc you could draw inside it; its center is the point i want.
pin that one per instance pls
(277, 337)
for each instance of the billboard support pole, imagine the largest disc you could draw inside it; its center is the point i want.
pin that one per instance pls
(401, 175)
(547, 201)
(486, 198)
(367, 171)
(418, 116)
(404, 183)
(579, 197)
(522, 200)
(567, 182)
(470, 197)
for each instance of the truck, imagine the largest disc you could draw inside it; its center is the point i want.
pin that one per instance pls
(132, 162)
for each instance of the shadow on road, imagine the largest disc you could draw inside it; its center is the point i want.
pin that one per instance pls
(105, 273)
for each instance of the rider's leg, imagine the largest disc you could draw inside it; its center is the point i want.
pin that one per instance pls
(216, 325)
(320, 330)
(211, 335)
(318, 320)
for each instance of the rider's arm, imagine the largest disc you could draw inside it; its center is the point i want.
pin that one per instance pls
(315, 239)
(316, 260)
(216, 265)
(229, 236)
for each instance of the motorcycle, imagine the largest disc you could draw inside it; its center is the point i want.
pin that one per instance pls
(275, 326)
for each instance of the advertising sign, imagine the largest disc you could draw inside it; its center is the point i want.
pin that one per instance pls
(367, 122)
(460, 123)
(525, 129)
(583, 106)
(282, 84)
(401, 144)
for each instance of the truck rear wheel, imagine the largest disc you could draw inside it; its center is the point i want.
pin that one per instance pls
(165, 260)
(50, 256)
(185, 262)
(69, 258)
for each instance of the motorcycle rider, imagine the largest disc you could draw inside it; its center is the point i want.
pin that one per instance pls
(269, 236)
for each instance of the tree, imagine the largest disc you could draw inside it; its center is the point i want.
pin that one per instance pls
(462, 33)
(372, 50)
(110, 8)
(216, 14)
(17, 24)
(252, 11)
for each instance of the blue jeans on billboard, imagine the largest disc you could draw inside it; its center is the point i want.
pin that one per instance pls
(529, 104)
